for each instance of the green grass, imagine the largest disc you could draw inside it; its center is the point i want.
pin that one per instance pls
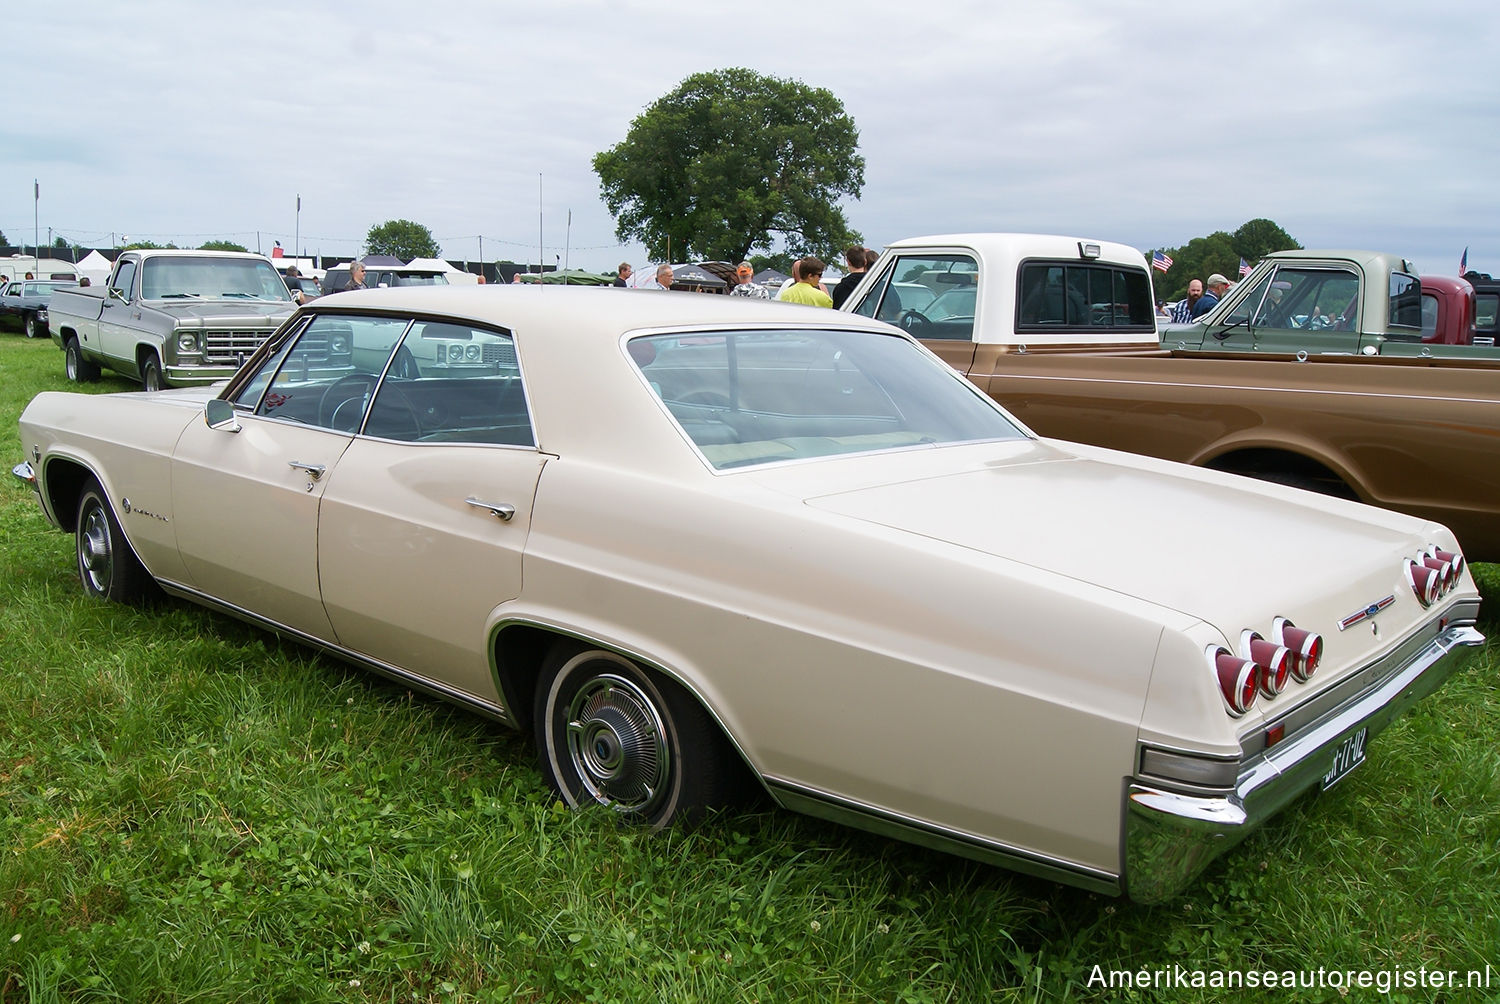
(191, 810)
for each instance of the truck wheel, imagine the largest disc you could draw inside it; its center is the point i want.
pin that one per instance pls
(107, 567)
(151, 372)
(33, 330)
(79, 369)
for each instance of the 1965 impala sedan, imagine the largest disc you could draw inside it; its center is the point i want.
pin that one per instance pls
(684, 541)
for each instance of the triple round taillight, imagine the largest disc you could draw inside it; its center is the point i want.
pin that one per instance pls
(1265, 666)
(1432, 573)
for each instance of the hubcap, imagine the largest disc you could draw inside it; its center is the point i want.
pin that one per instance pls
(95, 555)
(71, 362)
(617, 744)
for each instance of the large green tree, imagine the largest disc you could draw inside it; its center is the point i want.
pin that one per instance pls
(221, 246)
(402, 238)
(732, 160)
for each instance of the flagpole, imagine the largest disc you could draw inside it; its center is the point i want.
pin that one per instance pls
(36, 237)
(297, 234)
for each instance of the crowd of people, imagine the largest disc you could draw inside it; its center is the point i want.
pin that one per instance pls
(804, 286)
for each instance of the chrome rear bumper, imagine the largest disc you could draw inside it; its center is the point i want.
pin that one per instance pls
(1171, 837)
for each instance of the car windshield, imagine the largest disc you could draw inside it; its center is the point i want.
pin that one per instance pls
(211, 278)
(432, 279)
(757, 397)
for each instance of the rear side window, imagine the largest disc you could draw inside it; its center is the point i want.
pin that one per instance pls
(1406, 301)
(1090, 297)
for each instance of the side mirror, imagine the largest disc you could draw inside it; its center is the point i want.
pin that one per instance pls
(117, 293)
(219, 415)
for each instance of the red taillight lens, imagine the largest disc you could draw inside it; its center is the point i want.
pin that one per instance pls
(1426, 582)
(1238, 680)
(1453, 558)
(1275, 663)
(1306, 647)
(1447, 577)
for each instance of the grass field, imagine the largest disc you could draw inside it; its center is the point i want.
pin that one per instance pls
(191, 810)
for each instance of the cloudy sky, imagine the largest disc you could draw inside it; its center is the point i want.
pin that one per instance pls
(1366, 123)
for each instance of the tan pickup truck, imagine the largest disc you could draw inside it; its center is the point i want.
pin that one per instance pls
(1062, 331)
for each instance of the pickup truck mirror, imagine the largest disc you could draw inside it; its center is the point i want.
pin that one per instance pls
(219, 416)
(117, 293)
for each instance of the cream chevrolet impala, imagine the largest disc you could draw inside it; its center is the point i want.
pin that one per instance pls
(683, 541)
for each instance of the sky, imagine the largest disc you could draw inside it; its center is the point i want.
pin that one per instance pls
(1351, 123)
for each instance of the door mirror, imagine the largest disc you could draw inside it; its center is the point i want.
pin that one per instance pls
(117, 293)
(219, 415)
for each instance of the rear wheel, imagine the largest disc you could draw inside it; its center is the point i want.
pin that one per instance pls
(79, 369)
(610, 733)
(107, 567)
(151, 372)
(33, 327)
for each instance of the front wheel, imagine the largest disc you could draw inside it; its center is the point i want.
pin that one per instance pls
(107, 567)
(79, 369)
(33, 327)
(610, 733)
(151, 372)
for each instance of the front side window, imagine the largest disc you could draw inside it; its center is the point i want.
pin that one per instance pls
(1055, 296)
(931, 296)
(1311, 298)
(125, 277)
(1429, 315)
(757, 397)
(328, 375)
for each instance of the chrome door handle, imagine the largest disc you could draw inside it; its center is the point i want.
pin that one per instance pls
(504, 510)
(314, 471)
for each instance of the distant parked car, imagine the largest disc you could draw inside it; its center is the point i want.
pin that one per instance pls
(377, 276)
(26, 301)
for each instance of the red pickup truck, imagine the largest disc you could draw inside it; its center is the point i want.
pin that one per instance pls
(1447, 311)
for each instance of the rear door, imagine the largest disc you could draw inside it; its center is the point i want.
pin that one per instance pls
(424, 522)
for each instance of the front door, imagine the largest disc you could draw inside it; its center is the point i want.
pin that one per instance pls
(424, 524)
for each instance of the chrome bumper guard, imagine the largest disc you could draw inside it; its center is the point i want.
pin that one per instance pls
(24, 472)
(1170, 837)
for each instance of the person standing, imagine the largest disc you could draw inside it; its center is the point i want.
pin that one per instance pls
(808, 287)
(293, 273)
(623, 273)
(744, 284)
(859, 260)
(1183, 312)
(356, 277)
(663, 278)
(1217, 287)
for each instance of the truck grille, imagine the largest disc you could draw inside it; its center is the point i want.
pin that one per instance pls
(232, 346)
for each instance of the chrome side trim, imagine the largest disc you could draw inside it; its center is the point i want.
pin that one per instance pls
(822, 805)
(1170, 837)
(496, 711)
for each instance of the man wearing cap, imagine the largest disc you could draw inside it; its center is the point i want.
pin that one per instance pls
(1217, 287)
(744, 286)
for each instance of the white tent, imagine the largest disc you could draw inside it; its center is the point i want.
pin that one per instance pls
(95, 267)
(456, 276)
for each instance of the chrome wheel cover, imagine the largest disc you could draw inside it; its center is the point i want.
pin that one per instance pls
(70, 362)
(96, 556)
(617, 744)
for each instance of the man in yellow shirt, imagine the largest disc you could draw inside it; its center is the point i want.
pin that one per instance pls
(806, 289)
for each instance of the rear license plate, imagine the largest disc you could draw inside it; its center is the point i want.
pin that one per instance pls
(1349, 755)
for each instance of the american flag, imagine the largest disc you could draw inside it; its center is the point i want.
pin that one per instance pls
(1160, 261)
(1244, 268)
(1463, 263)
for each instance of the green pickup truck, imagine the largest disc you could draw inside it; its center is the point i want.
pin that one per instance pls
(1337, 303)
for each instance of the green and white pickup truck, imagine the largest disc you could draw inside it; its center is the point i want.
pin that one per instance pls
(1335, 303)
(170, 317)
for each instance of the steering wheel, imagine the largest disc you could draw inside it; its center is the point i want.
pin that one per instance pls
(343, 404)
(912, 321)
